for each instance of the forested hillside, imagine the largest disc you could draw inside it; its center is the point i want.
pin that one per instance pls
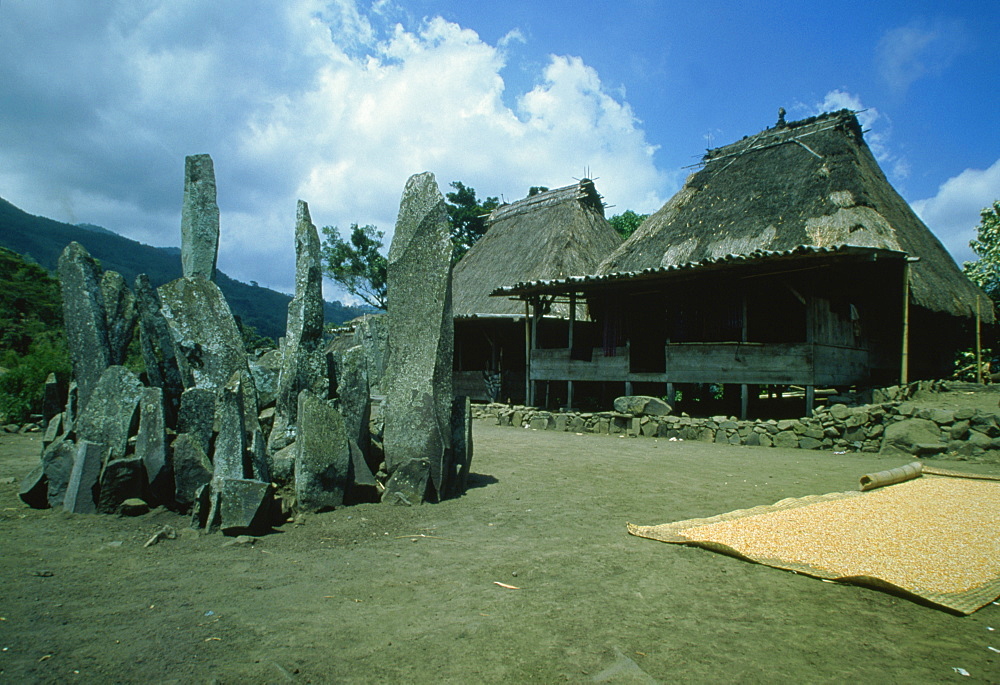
(42, 240)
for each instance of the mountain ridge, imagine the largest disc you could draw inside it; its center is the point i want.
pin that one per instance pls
(43, 240)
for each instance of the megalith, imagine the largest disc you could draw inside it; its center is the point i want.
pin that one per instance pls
(303, 364)
(207, 343)
(120, 313)
(418, 374)
(322, 455)
(111, 416)
(84, 316)
(156, 345)
(199, 219)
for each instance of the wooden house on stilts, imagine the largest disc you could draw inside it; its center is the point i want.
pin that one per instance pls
(550, 235)
(787, 260)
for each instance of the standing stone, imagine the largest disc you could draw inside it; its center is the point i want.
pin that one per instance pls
(322, 455)
(192, 468)
(418, 375)
(151, 443)
(229, 456)
(207, 342)
(351, 376)
(121, 479)
(84, 317)
(199, 219)
(81, 493)
(197, 416)
(54, 399)
(372, 333)
(112, 414)
(34, 489)
(57, 465)
(303, 365)
(461, 441)
(157, 346)
(119, 308)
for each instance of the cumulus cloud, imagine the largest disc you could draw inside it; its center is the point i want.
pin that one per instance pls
(336, 103)
(953, 214)
(908, 53)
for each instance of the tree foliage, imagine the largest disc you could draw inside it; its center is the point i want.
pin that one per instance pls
(357, 263)
(626, 222)
(32, 341)
(985, 272)
(468, 217)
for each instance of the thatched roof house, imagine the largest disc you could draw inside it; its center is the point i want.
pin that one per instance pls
(809, 182)
(554, 234)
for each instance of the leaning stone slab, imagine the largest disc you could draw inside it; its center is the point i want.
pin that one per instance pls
(84, 317)
(418, 375)
(111, 416)
(34, 489)
(57, 464)
(207, 342)
(322, 455)
(243, 505)
(121, 479)
(642, 405)
(192, 468)
(81, 492)
(199, 219)
(119, 308)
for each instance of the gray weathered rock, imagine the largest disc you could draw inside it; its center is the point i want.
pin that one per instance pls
(461, 442)
(641, 405)
(408, 483)
(120, 313)
(121, 479)
(199, 219)
(207, 342)
(322, 455)
(112, 414)
(197, 415)
(54, 399)
(910, 437)
(303, 364)
(157, 345)
(81, 491)
(84, 317)
(230, 456)
(244, 505)
(151, 443)
(372, 333)
(265, 371)
(192, 468)
(34, 488)
(351, 375)
(418, 375)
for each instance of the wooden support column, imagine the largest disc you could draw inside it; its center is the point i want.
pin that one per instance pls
(904, 361)
(527, 352)
(535, 315)
(979, 343)
(572, 324)
(744, 333)
(810, 399)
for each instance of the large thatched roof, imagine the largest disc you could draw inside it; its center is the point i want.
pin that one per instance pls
(554, 234)
(809, 182)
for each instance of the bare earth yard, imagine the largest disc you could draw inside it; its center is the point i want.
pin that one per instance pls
(380, 594)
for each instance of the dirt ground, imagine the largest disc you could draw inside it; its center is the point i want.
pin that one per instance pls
(386, 594)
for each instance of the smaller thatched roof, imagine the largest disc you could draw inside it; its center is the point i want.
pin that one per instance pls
(809, 182)
(554, 234)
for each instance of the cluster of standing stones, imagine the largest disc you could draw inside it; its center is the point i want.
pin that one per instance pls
(892, 425)
(239, 441)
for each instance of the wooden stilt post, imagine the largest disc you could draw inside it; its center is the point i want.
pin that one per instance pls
(979, 344)
(572, 323)
(810, 399)
(904, 362)
(527, 352)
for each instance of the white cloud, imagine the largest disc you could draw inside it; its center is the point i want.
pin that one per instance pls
(329, 102)
(953, 214)
(908, 53)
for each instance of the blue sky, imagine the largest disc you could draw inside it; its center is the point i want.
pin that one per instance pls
(338, 102)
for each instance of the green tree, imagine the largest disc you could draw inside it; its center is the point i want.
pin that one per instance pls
(357, 263)
(626, 222)
(468, 217)
(985, 272)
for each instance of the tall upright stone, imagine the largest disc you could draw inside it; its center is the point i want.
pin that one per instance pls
(303, 364)
(84, 316)
(418, 374)
(207, 343)
(199, 219)
(157, 346)
(111, 416)
(120, 313)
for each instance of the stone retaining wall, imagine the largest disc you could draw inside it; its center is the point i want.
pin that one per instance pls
(892, 423)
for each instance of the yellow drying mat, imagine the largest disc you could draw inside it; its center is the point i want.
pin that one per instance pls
(935, 538)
